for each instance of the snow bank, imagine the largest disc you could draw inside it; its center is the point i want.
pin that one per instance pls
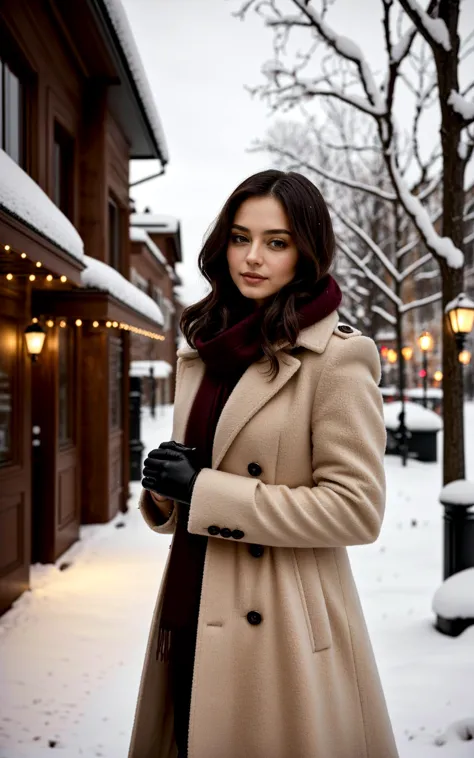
(417, 418)
(161, 369)
(99, 275)
(22, 197)
(460, 492)
(155, 222)
(455, 598)
(124, 33)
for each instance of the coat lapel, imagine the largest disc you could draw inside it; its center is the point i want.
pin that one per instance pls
(251, 393)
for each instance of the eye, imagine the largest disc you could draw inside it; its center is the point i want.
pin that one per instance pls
(279, 244)
(237, 238)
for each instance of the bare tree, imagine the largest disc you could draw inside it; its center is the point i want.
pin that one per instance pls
(343, 73)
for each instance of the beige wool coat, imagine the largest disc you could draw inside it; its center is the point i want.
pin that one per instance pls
(302, 682)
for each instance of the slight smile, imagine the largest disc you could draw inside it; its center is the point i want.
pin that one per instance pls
(251, 279)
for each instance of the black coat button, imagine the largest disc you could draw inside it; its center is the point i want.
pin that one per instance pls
(213, 530)
(237, 534)
(254, 618)
(345, 328)
(254, 469)
(256, 550)
(226, 532)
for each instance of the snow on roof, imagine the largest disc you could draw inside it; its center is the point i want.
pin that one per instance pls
(138, 234)
(22, 197)
(459, 492)
(121, 25)
(161, 369)
(455, 598)
(154, 222)
(417, 418)
(98, 275)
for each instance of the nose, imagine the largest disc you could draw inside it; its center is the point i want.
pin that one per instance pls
(254, 254)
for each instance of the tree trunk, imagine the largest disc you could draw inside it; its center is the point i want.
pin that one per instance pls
(452, 226)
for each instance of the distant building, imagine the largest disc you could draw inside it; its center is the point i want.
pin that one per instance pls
(155, 251)
(75, 108)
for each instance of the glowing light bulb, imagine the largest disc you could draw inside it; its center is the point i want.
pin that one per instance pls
(32, 277)
(78, 322)
(49, 278)
(95, 324)
(9, 277)
(63, 278)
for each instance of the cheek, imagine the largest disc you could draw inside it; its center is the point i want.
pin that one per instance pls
(286, 267)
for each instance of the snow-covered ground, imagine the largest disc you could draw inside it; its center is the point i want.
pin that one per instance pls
(71, 650)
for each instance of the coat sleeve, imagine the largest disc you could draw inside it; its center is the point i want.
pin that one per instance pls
(346, 504)
(152, 514)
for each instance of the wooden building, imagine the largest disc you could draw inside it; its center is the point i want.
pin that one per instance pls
(155, 251)
(75, 107)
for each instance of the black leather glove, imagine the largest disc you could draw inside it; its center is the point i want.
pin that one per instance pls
(170, 471)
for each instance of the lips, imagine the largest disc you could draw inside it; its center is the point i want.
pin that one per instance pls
(253, 276)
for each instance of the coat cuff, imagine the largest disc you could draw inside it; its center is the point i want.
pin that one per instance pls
(153, 516)
(217, 502)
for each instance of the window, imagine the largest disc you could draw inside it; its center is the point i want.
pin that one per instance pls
(115, 383)
(8, 383)
(139, 281)
(11, 113)
(63, 171)
(115, 238)
(65, 387)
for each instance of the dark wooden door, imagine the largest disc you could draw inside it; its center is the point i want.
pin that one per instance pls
(56, 462)
(15, 449)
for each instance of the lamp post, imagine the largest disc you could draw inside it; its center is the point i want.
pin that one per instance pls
(461, 317)
(425, 341)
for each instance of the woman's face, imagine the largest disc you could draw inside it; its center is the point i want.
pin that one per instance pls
(261, 243)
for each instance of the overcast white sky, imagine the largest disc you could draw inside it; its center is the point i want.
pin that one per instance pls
(198, 58)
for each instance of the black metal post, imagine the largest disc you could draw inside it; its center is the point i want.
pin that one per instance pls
(152, 392)
(458, 553)
(425, 378)
(135, 444)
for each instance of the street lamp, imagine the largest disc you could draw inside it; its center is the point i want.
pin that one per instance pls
(461, 317)
(465, 357)
(425, 341)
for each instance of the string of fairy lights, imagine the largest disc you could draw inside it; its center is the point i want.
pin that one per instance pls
(62, 322)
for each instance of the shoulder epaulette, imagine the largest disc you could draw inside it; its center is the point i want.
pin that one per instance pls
(345, 331)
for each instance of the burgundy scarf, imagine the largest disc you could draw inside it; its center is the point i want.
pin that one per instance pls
(226, 357)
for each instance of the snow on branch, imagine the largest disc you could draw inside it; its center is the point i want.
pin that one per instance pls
(465, 108)
(349, 50)
(388, 265)
(415, 266)
(443, 247)
(420, 303)
(344, 248)
(387, 316)
(336, 178)
(434, 30)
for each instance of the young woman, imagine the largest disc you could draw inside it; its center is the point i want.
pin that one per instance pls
(258, 646)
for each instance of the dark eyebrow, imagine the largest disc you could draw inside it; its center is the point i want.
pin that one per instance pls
(267, 231)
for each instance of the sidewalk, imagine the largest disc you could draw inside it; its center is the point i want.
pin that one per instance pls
(71, 650)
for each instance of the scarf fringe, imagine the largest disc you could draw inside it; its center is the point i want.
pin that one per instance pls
(163, 647)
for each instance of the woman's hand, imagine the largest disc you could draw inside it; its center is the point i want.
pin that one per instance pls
(164, 504)
(170, 471)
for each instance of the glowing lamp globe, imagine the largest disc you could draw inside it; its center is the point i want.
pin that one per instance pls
(425, 341)
(34, 337)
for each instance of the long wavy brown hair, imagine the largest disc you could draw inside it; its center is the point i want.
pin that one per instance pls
(312, 231)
